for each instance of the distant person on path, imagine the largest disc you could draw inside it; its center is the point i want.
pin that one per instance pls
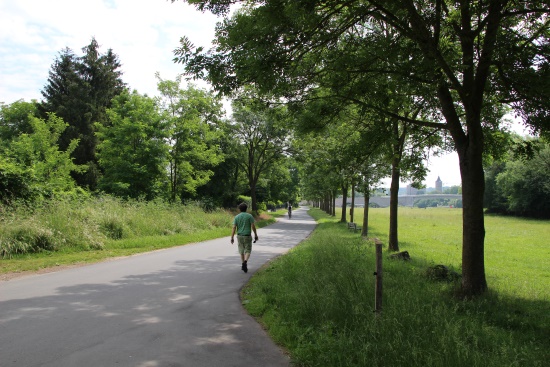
(243, 224)
(289, 211)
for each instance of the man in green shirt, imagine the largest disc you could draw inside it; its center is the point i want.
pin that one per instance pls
(243, 224)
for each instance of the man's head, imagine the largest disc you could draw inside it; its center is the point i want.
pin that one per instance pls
(243, 207)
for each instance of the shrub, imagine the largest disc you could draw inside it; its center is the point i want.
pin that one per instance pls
(27, 238)
(112, 227)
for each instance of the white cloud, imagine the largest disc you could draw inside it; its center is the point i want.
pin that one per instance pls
(143, 33)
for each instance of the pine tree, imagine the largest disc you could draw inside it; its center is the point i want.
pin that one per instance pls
(79, 90)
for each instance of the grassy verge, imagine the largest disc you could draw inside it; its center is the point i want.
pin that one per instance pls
(318, 300)
(69, 233)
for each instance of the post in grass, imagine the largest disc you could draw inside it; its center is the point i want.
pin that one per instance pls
(378, 275)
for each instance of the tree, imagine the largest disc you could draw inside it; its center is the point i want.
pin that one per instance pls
(470, 55)
(79, 90)
(453, 190)
(31, 165)
(403, 143)
(523, 185)
(194, 117)
(15, 119)
(131, 150)
(373, 170)
(262, 138)
(319, 180)
(280, 183)
(228, 180)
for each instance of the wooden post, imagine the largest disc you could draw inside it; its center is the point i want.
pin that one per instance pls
(378, 274)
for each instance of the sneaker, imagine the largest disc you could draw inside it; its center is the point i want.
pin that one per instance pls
(245, 267)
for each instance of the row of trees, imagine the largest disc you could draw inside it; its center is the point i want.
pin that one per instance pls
(91, 134)
(411, 73)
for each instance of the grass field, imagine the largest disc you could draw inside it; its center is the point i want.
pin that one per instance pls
(318, 300)
(517, 251)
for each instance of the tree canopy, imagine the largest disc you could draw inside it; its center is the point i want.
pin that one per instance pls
(463, 58)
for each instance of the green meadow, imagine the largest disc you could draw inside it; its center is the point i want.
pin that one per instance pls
(318, 300)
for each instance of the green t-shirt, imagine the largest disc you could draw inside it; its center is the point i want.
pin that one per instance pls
(243, 221)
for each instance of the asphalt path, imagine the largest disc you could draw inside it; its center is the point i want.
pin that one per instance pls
(173, 307)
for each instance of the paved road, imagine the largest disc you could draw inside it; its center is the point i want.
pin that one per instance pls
(174, 307)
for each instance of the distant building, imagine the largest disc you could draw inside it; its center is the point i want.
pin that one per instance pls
(438, 185)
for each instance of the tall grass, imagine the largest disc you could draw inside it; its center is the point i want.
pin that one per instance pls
(91, 229)
(318, 300)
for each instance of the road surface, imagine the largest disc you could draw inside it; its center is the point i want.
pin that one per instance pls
(173, 307)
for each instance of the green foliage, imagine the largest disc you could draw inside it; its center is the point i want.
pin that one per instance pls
(208, 204)
(15, 119)
(112, 227)
(15, 181)
(32, 167)
(526, 185)
(131, 149)
(519, 185)
(444, 65)
(245, 199)
(228, 180)
(193, 119)
(279, 183)
(453, 190)
(262, 137)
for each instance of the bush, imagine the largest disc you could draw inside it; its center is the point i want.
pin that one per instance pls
(27, 238)
(112, 227)
(208, 204)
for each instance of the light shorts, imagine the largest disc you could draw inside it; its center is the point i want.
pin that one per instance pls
(245, 244)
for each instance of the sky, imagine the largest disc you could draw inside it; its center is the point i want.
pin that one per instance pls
(143, 33)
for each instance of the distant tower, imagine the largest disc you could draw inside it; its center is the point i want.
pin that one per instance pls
(438, 185)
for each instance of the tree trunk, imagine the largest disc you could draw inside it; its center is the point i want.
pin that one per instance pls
(473, 223)
(393, 244)
(334, 202)
(253, 197)
(344, 202)
(352, 208)
(470, 155)
(365, 230)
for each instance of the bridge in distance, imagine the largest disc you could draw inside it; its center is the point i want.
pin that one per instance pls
(404, 200)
